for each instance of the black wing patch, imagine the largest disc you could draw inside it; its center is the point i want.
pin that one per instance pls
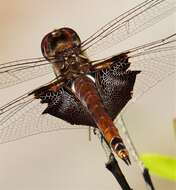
(64, 105)
(115, 86)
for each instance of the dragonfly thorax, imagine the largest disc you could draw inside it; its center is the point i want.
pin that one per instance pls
(61, 47)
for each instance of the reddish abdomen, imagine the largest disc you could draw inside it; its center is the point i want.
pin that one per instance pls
(85, 90)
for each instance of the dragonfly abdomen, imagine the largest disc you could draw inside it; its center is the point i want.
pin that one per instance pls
(85, 90)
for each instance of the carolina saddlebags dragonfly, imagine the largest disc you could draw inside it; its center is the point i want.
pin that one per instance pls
(89, 92)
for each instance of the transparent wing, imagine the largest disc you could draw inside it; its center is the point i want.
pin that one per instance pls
(23, 117)
(133, 152)
(15, 72)
(135, 20)
(156, 60)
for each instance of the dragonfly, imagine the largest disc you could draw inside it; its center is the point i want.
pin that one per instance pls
(89, 92)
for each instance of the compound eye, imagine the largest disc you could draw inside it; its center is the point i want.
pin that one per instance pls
(49, 45)
(58, 41)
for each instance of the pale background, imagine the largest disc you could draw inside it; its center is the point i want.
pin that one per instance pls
(66, 159)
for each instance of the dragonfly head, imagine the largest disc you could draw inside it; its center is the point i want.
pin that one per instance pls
(62, 48)
(60, 43)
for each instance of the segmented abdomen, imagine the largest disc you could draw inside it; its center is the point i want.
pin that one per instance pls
(86, 92)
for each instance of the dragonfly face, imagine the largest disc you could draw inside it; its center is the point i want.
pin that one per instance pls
(61, 47)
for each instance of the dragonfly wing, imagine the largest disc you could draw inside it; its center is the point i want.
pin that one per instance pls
(132, 73)
(24, 117)
(155, 61)
(15, 72)
(131, 22)
(115, 87)
(63, 104)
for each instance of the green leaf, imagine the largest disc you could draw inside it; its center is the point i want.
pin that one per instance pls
(159, 165)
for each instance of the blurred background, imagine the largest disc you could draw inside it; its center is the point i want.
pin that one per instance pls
(66, 159)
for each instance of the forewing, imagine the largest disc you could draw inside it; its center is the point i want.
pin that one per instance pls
(156, 61)
(15, 72)
(131, 22)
